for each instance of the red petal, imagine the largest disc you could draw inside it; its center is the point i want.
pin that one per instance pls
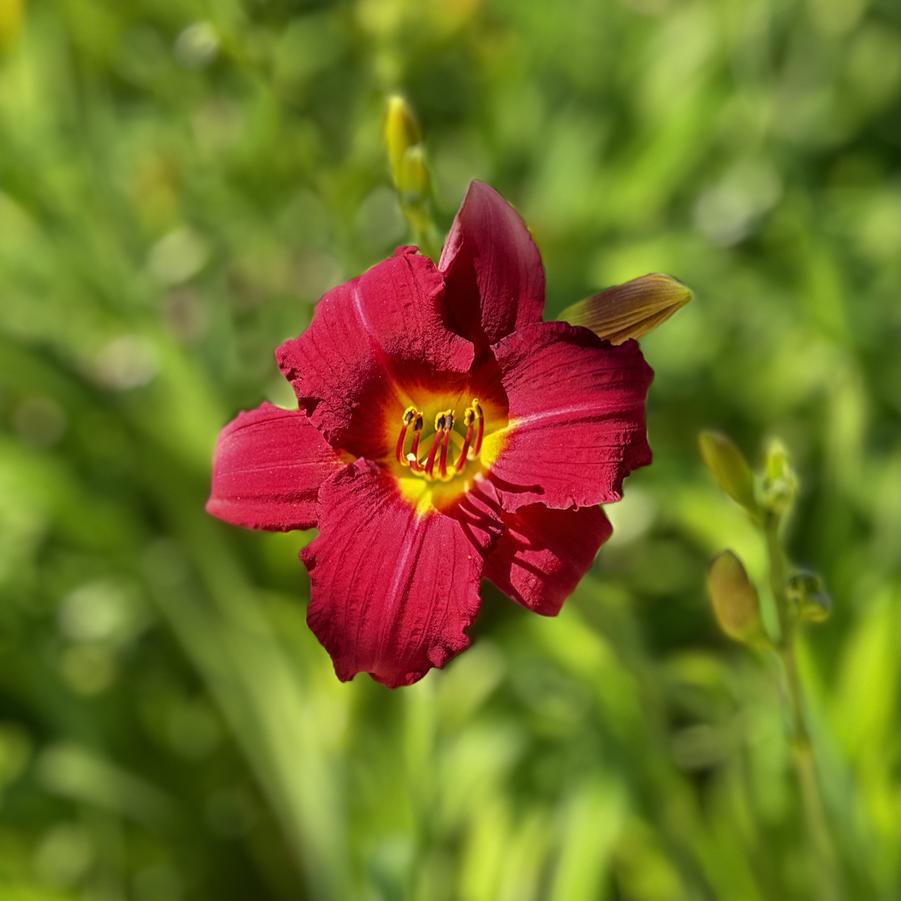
(577, 417)
(495, 280)
(392, 593)
(267, 469)
(368, 335)
(542, 554)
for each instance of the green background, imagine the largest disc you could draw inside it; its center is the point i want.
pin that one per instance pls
(179, 182)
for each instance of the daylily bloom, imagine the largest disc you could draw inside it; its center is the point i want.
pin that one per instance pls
(444, 434)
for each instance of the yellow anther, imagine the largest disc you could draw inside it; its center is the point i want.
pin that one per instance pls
(441, 420)
(469, 417)
(409, 413)
(476, 408)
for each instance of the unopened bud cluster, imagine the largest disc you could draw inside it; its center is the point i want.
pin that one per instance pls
(768, 498)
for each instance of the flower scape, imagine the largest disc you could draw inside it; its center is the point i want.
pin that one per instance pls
(444, 434)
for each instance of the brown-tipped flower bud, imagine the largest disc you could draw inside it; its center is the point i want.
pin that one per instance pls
(629, 310)
(734, 599)
(401, 133)
(807, 592)
(729, 467)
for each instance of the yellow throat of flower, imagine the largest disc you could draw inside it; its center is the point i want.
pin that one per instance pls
(435, 466)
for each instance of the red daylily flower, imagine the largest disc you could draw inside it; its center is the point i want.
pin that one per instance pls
(444, 434)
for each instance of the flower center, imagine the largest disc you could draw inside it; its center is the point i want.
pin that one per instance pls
(449, 451)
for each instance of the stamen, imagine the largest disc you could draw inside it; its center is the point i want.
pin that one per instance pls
(442, 461)
(440, 421)
(480, 428)
(409, 414)
(413, 456)
(439, 455)
(468, 419)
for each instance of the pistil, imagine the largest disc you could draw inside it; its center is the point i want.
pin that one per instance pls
(480, 427)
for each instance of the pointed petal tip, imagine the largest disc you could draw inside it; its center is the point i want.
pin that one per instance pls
(670, 290)
(492, 267)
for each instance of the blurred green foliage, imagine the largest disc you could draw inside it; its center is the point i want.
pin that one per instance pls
(179, 182)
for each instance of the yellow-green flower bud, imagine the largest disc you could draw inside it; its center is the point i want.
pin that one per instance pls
(629, 310)
(11, 15)
(402, 132)
(780, 484)
(729, 467)
(734, 599)
(413, 180)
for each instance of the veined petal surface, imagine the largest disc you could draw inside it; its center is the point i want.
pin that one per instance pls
(369, 341)
(542, 554)
(392, 592)
(267, 469)
(576, 417)
(494, 275)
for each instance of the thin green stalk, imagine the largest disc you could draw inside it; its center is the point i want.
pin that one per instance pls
(422, 228)
(816, 819)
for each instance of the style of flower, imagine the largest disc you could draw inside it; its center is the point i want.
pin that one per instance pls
(444, 434)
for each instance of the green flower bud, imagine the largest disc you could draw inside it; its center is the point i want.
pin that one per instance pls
(734, 599)
(806, 591)
(729, 467)
(413, 180)
(780, 484)
(11, 15)
(401, 133)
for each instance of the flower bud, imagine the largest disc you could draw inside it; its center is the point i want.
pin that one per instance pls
(11, 15)
(629, 310)
(807, 592)
(729, 467)
(402, 132)
(733, 598)
(780, 484)
(413, 179)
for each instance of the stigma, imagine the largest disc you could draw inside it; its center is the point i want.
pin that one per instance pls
(443, 461)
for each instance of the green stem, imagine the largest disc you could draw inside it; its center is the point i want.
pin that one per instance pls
(422, 228)
(819, 833)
